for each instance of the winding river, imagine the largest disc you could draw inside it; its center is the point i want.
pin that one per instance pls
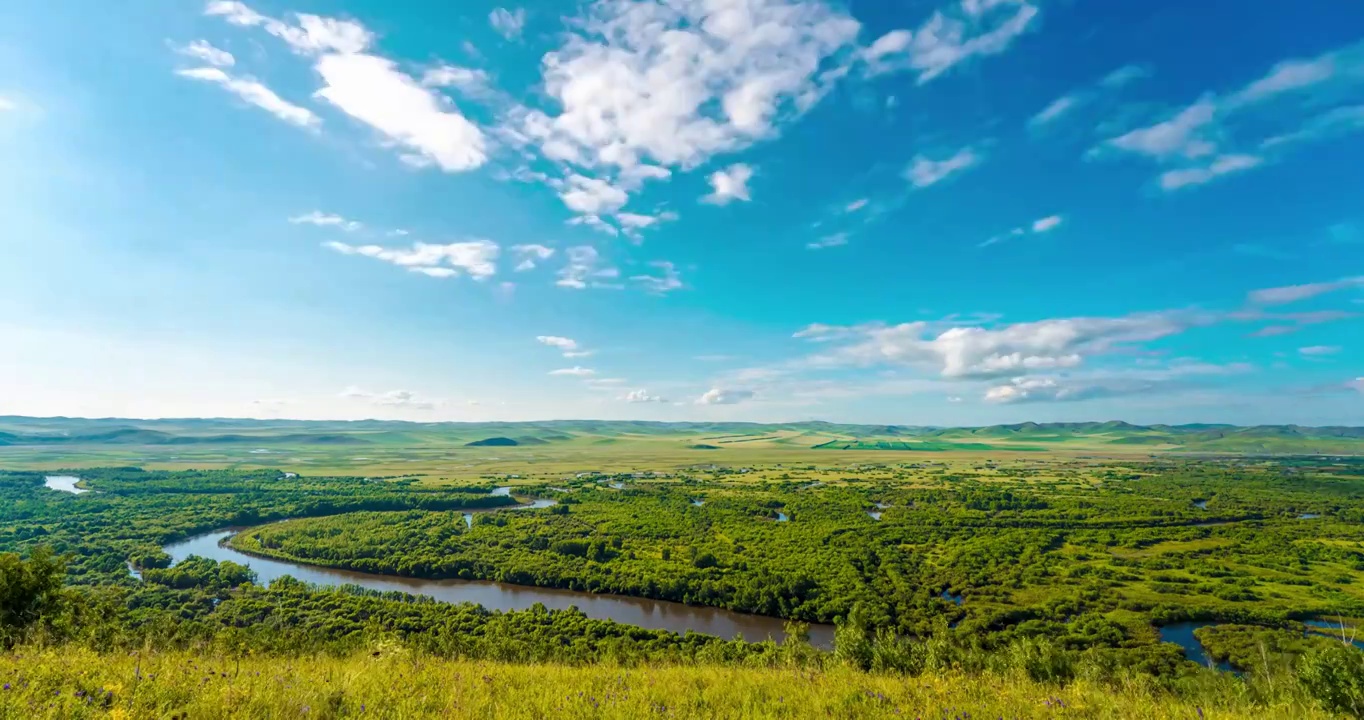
(642, 612)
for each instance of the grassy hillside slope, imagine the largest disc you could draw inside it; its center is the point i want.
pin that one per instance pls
(71, 682)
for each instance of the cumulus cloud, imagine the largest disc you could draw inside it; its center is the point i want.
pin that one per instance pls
(427, 128)
(475, 258)
(722, 396)
(470, 80)
(392, 398)
(592, 196)
(321, 219)
(508, 23)
(641, 88)
(205, 51)
(1319, 350)
(642, 396)
(585, 269)
(954, 35)
(255, 93)
(925, 171)
(575, 371)
(729, 184)
(1051, 389)
(983, 352)
(528, 256)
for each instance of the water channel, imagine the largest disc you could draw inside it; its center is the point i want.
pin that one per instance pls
(642, 612)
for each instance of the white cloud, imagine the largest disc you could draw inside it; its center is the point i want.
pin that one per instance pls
(666, 282)
(392, 398)
(575, 371)
(642, 396)
(1330, 124)
(584, 269)
(568, 346)
(321, 219)
(372, 90)
(1058, 107)
(669, 84)
(528, 256)
(592, 196)
(1052, 389)
(1195, 139)
(508, 23)
(729, 184)
(1221, 165)
(1068, 104)
(470, 80)
(312, 34)
(1051, 222)
(954, 35)
(255, 93)
(1356, 384)
(476, 258)
(923, 171)
(1289, 76)
(828, 241)
(205, 51)
(1016, 232)
(1293, 293)
(856, 205)
(962, 352)
(1319, 350)
(721, 396)
(1125, 75)
(632, 223)
(1178, 136)
(6, 104)
(555, 341)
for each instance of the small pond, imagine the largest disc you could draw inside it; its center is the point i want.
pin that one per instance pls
(1182, 634)
(63, 483)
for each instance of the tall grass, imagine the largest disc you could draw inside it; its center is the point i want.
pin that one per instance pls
(74, 682)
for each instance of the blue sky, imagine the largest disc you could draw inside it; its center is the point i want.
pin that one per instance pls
(951, 212)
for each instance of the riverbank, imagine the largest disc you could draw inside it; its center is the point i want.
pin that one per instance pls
(640, 612)
(72, 682)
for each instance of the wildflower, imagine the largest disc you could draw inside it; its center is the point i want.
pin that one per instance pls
(6, 686)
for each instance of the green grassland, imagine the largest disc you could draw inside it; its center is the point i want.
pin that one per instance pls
(988, 570)
(454, 450)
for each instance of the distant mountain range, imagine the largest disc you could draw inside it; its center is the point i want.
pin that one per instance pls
(27, 431)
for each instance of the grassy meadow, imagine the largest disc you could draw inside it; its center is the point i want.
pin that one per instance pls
(64, 683)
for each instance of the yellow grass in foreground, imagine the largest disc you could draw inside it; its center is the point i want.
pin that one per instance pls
(77, 683)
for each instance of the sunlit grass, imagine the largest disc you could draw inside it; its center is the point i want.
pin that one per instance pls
(76, 683)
